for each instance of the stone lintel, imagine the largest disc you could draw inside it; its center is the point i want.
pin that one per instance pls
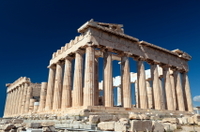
(18, 82)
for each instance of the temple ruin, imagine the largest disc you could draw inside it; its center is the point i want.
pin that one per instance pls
(73, 89)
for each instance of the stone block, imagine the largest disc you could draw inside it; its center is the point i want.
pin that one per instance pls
(138, 125)
(196, 118)
(191, 120)
(33, 125)
(104, 118)
(47, 124)
(17, 121)
(157, 127)
(124, 121)
(49, 129)
(13, 130)
(120, 127)
(94, 119)
(88, 126)
(185, 120)
(169, 126)
(144, 117)
(106, 126)
(134, 116)
(170, 120)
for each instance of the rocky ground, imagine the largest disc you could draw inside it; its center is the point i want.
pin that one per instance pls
(102, 122)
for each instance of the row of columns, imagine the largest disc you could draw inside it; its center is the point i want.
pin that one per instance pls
(17, 101)
(174, 92)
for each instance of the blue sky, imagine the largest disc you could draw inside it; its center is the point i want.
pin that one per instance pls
(30, 31)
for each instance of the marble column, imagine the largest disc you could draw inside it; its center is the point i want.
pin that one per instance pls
(28, 97)
(43, 93)
(179, 91)
(126, 84)
(168, 88)
(77, 99)
(6, 105)
(149, 95)
(187, 93)
(96, 84)
(67, 84)
(89, 77)
(119, 94)
(173, 91)
(15, 101)
(24, 97)
(108, 80)
(31, 106)
(57, 87)
(20, 98)
(136, 95)
(50, 88)
(11, 103)
(157, 95)
(142, 91)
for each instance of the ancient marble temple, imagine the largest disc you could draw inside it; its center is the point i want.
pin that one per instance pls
(73, 87)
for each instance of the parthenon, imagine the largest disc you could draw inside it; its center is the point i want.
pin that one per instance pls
(76, 88)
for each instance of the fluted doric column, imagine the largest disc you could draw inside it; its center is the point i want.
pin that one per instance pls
(126, 84)
(108, 80)
(168, 88)
(11, 103)
(141, 82)
(20, 98)
(149, 95)
(67, 84)
(136, 95)
(6, 105)
(31, 105)
(77, 99)
(179, 91)
(28, 97)
(50, 88)
(57, 87)
(173, 87)
(187, 93)
(24, 97)
(156, 87)
(43, 93)
(89, 77)
(96, 84)
(15, 100)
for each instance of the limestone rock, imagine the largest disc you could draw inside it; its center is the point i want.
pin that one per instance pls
(93, 119)
(170, 120)
(45, 124)
(157, 127)
(191, 121)
(138, 125)
(196, 118)
(106, 126)
(169, 126)
(124, 121)
(120, 127)
(134, 116)
(49, 129)
(33, 125)
(17, 121)
(104, 118)
(144, 117)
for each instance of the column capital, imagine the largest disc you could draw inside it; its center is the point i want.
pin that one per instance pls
(80, 51)
(138, 58)
(52, 66)
(152, 62)
(69, 58)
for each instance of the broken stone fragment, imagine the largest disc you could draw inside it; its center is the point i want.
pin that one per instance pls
(134, 116)
(170, 120)
(94, 119)
(106, 126)
(141, 125)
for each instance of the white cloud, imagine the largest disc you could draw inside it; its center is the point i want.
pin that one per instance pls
(196, 98)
